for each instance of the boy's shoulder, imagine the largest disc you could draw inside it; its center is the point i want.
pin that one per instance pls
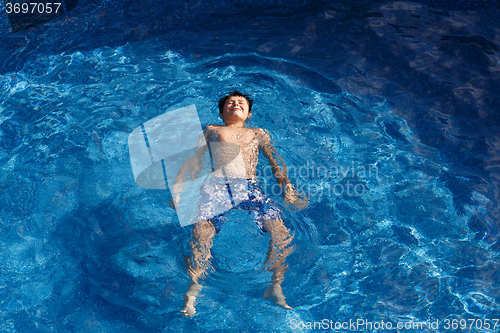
(262, 136)
(212, 128)
(261, 132)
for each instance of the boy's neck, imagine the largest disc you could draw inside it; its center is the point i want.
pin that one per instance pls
(235, 125)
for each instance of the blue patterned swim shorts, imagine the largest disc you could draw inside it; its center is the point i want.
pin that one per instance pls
(221, 194)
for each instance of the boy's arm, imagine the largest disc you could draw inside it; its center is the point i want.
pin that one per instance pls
(280, 172)
(189, 169)
(267, 149)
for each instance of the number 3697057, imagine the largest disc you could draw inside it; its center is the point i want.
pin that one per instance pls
(32, 8)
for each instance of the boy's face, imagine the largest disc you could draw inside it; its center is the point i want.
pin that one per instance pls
(236, 109)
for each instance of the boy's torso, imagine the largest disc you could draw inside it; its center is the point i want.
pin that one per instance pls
(235, 149)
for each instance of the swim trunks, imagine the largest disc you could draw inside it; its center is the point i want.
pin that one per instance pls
(220, 194)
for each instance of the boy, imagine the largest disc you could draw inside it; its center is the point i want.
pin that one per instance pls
(234, 149)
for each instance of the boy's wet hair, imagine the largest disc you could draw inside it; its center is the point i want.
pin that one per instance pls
(223, 100)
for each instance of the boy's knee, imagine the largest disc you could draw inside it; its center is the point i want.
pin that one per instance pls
(276, 227)
(204, 230)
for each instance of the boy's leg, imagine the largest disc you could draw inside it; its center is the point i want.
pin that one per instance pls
(276, 256)
(201, 244)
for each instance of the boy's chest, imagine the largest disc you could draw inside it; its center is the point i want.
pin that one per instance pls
(246, 139)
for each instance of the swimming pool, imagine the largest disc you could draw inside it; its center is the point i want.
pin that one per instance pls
(385, 113)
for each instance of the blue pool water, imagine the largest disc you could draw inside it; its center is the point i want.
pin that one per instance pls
(385, 112)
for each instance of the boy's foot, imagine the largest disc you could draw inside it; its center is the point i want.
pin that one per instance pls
(275, 293)
(188, 310)
(190, 300)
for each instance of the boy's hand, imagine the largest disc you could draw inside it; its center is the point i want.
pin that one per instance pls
(295, 198)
